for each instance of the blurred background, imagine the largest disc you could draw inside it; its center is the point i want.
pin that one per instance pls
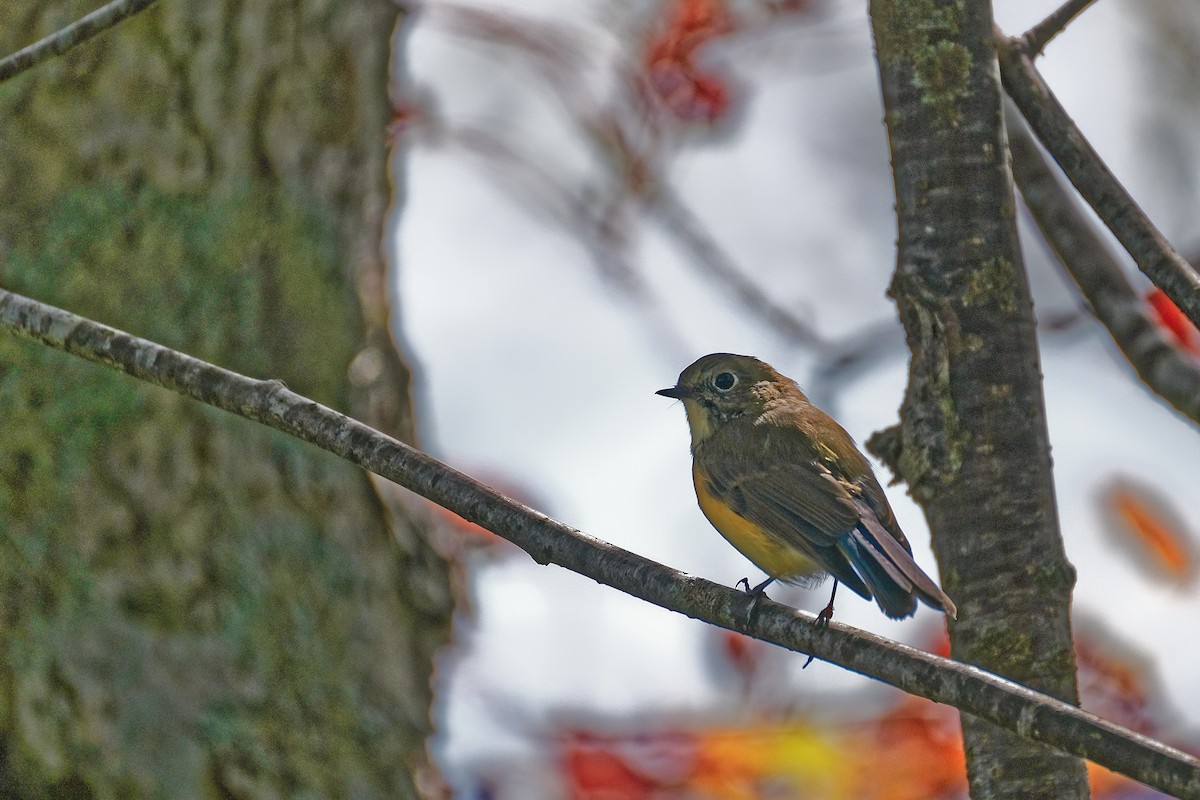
(595, 194)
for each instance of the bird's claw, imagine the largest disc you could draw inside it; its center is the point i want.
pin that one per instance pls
(822, 620)
(824, 616)
(756, 595)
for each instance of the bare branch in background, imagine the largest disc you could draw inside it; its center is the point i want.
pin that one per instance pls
(631, 135)
(708, 258)
(1030, 714)
(599, 230)
(1095, 182)
(554, 50)
(1173, 375)
(841, 361)
(1037, 37)
(74, 34)
(632, 131)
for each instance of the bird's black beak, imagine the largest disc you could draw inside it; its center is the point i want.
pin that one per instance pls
(677, 392)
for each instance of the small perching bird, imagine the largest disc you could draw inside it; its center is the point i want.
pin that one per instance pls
(786, 485)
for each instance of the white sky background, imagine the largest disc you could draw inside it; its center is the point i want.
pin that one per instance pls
(532, 368)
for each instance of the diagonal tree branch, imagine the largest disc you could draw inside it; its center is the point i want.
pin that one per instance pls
(1030, 714)
(74, 34)
(1169, 373)
(1099, 187)
(1040, 35)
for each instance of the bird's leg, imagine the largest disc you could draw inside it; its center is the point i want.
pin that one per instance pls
(824, 617)
(756, 595)
(827, 612)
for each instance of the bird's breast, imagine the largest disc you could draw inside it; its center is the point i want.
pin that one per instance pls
(768, 552)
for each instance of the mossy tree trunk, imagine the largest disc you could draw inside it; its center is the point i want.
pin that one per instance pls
(972, 442)
(192, 605)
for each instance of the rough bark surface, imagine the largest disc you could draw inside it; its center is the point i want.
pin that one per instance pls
(972, 443)
(194, 606)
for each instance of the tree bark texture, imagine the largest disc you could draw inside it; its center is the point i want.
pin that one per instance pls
(972, 441)
(193, 606)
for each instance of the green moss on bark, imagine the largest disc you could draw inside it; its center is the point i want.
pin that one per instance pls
(194, 605)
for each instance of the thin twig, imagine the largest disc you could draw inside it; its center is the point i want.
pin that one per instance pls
(554, 50)
(575, 212)
(1028, 713)
(76, 33)
(597, 234)
(1098, 186)
(843, 360)
(1173, 375)
(710, 259)
(1037, 37)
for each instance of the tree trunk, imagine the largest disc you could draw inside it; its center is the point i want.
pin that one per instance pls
(194, 606)
(972, 441)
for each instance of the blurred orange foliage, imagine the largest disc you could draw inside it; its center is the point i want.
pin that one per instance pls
(911, 753)
(1144, 521)
(911, 750)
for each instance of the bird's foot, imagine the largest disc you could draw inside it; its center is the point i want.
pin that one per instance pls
(756, 595)
(823, 618)
(821, 623)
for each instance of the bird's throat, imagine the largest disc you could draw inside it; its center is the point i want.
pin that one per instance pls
(699, 419)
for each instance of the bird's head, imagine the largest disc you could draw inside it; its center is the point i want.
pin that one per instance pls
(721, 387)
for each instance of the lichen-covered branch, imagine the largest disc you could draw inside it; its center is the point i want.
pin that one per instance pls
(1021, 710)
(973, 443)
(1168, 372)
(1095, 182)
(74, 34)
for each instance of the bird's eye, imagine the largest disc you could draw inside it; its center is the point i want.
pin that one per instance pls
(725, 381)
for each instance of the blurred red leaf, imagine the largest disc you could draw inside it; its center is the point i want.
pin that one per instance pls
(469, 533)
(1113, 681)
(742, 652)
(670, 59)
(1174, 321)
(915, 752)
(594, 773)
(1117, 681)
(597, 766)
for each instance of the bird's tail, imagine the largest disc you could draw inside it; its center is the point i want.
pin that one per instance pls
(889, 570)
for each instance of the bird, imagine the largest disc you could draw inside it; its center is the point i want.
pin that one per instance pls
(786, 485)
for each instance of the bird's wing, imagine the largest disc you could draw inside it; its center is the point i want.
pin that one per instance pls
(800, 502)
(808, 502)
(801, 507)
